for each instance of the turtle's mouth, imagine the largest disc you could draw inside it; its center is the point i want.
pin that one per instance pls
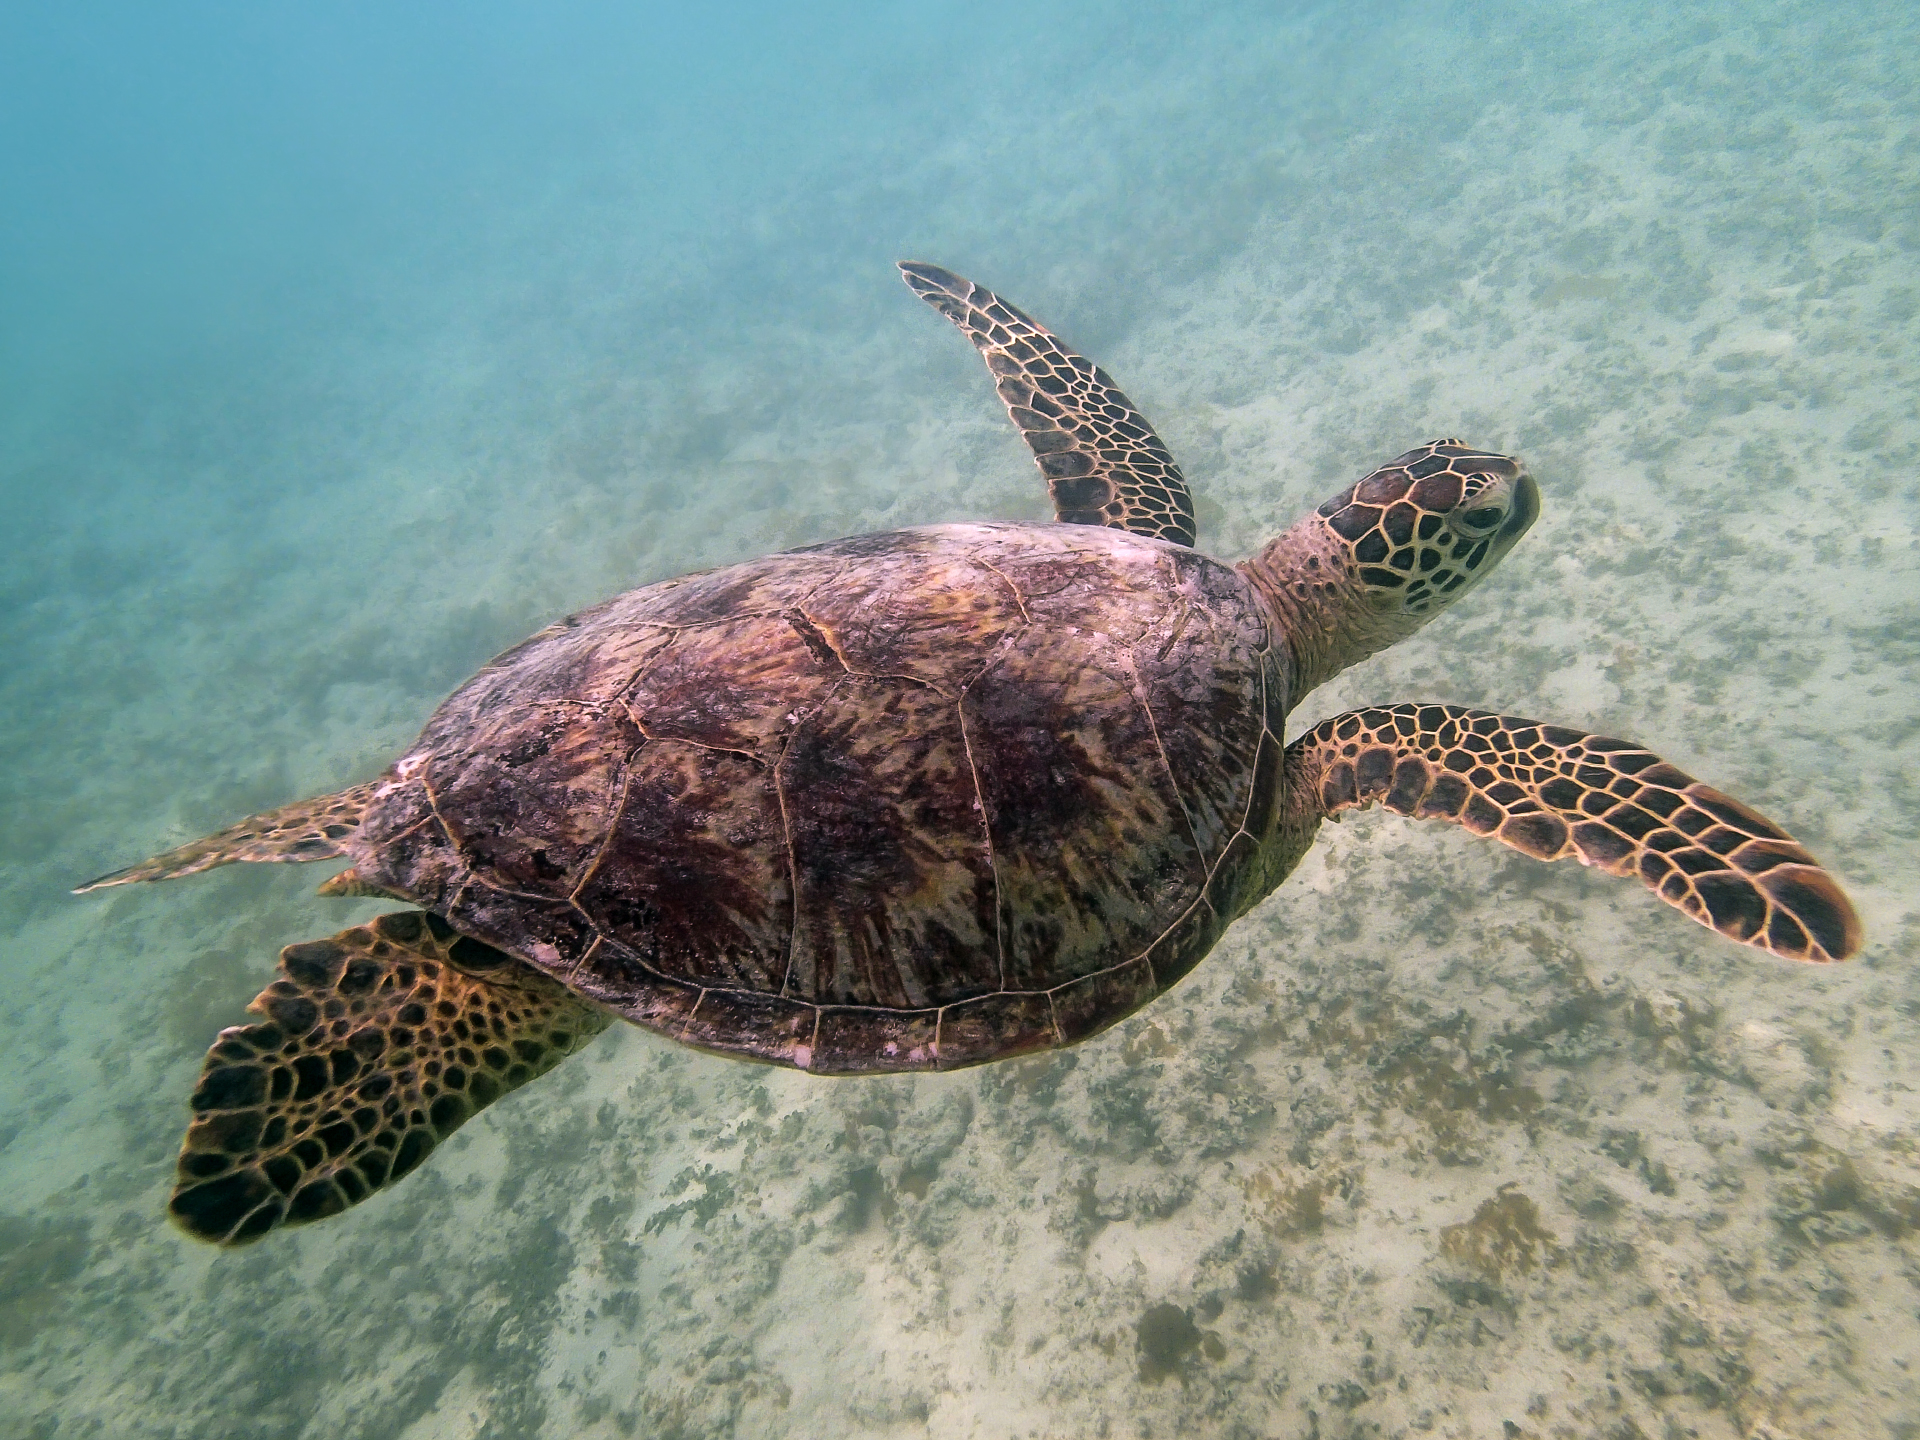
(1507, 503)
(1526, 508)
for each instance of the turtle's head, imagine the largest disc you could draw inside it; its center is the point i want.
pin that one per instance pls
(1421, 530)
(1391, 551)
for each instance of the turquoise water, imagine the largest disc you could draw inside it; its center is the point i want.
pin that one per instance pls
(341, 348)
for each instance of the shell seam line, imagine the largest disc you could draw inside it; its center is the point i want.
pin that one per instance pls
(813, 1039)
(1254, 773)
(793, 878)
(644, 668)
(586, 954)
(453, 842)
(764, 613)
(939, 1009)
(786, 831)
(1018, 599)
(1001, 646)
(1146, 706)
(1053, 1019)
(1146, 955)
(633, 957)
(1241, 828)
(946, 1005)
(613, 827)
(652, 739)
(687, 1024)
(986, 830)
(430, 818)
(831, 579)
(903, 679)
(1179, 629)
(816, 639)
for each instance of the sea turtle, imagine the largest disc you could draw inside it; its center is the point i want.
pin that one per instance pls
(909, 801)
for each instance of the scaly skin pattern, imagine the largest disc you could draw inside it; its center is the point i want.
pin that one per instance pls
(313, 829)
(905, 801)
(1555, 793)
(1388, 553)
(1103, 463)
(371, 1048)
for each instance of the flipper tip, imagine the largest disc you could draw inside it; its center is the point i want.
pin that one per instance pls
(922, 277)
(101, 882)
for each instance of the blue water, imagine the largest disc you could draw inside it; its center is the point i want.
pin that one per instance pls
(342, 346)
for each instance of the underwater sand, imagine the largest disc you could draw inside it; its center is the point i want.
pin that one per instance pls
(1439, 1142)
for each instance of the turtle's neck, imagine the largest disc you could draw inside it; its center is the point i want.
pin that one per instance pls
(1318, 606)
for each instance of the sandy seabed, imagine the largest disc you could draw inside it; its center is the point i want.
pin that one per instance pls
(1439, 1142)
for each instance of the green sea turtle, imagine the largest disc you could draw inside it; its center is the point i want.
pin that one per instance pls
(909, 801)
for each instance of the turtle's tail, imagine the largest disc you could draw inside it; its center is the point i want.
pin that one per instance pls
(313, 829)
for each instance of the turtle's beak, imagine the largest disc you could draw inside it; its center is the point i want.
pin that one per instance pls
(1526, 508)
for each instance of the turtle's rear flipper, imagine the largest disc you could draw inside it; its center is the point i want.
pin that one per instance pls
(376, 1045)
(309, 830)
(1551, 793)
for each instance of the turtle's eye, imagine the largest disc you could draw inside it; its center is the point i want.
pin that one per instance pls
(1482, 520)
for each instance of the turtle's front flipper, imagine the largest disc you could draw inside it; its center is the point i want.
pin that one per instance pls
(376, 1045)
(307, 830)
(1103, 463)
(1551, 792)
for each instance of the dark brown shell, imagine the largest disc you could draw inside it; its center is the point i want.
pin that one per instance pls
(905, 801)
